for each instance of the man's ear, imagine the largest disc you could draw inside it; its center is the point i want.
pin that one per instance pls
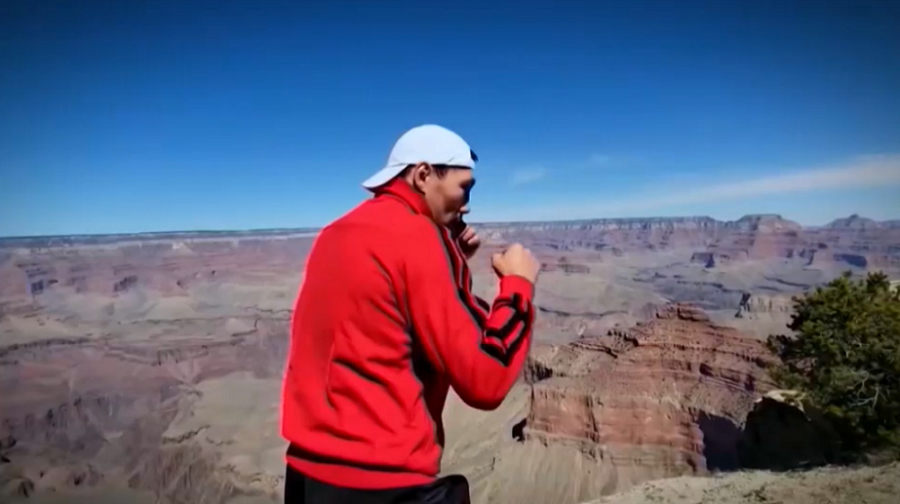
(420, 175)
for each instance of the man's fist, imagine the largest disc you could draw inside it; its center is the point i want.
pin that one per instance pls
(516, 260)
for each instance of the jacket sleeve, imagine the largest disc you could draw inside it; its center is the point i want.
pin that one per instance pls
(481, 348)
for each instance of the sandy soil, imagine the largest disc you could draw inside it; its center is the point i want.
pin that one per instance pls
(235, 419)
(113, 495)
(869, 485)
(875, 485)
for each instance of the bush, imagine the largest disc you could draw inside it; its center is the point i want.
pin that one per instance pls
(845, 357)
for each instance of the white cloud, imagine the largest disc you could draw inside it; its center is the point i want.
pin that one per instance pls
(863, 172)
(873, 171)
(527, 176)
(604, 161)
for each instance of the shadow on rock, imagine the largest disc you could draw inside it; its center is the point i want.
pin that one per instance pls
(782, 434)
(720, 441)
(518, 430)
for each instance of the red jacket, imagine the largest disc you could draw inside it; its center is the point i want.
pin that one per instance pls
(384, 323)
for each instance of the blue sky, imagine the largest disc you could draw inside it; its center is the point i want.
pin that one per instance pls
(164, 115)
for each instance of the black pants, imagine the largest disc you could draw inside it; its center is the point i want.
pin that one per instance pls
(301, 489)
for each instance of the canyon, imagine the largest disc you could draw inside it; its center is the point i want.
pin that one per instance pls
(149, 365)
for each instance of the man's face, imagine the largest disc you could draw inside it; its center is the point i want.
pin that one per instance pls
(448, 196)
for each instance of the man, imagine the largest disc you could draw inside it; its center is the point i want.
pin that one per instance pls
(385, 322)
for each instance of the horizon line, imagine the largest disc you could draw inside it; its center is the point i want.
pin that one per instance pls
(307, 229)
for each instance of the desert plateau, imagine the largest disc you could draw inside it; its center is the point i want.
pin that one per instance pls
(146, 368)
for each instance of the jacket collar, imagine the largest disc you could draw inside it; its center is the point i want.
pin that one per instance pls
(400, 189)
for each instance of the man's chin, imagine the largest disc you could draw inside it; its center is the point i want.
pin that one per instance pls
(456, 226)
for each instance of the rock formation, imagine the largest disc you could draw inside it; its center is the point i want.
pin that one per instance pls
(82, 413)
(669, 395)
(757, 237)
(125, 359)
(599, 415)
(166, 267)
(853, 241)
(173, 262)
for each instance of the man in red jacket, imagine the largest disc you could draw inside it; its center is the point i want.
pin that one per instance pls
(385, 322)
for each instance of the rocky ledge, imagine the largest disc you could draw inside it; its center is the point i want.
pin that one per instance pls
(669, 395)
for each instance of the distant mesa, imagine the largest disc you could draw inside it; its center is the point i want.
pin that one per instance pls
(172, 262)
(764, 223)
(853, 222)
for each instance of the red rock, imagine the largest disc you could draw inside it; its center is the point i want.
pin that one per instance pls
(670, 393)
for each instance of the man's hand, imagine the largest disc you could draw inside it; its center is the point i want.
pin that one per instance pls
(469, 242)
(516, 260)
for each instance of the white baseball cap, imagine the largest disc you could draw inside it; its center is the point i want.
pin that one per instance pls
(428, 143)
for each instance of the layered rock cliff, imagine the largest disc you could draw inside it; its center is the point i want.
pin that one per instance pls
(612, 235)
(166, 267)
(173, 262)
(669, 395)
(853, 241)
(758, 237)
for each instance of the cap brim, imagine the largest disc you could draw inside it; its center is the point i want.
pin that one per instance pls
(382, 177)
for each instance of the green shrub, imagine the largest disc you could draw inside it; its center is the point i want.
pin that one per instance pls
(845, 356)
